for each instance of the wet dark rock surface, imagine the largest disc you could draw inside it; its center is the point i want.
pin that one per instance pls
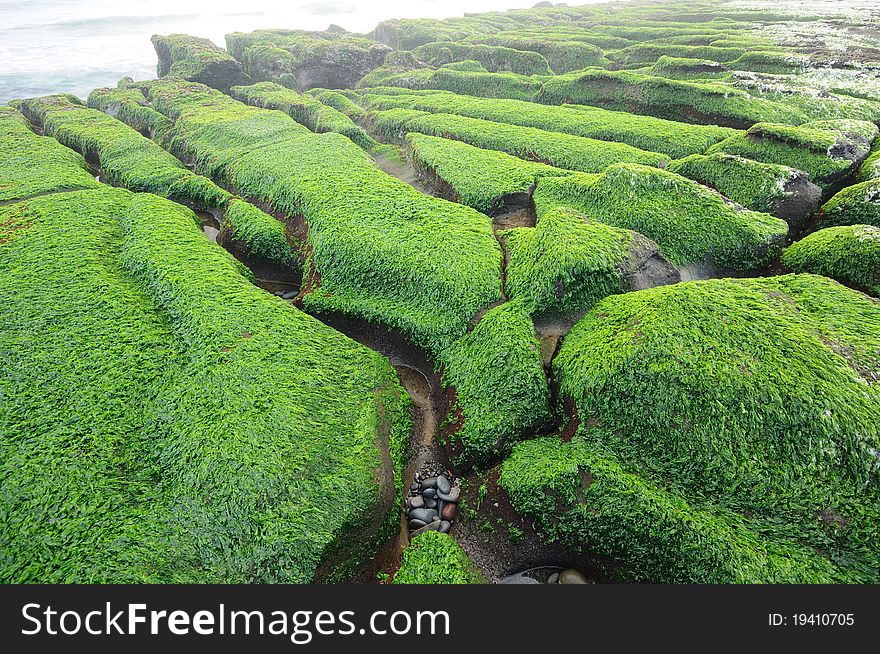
(503, 544)
(801, 201)
(646, 267)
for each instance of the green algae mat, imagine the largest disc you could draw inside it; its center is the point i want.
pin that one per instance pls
(597, 284)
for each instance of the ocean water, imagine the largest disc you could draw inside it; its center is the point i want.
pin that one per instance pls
(74, 46)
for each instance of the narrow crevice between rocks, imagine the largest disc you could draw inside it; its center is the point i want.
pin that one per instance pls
(501, 560)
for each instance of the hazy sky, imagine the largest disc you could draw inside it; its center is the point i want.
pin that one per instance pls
(48, 46)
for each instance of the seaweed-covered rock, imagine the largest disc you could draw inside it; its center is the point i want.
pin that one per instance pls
(500, 388)
(469, 65)
(303, 108)
(340, 102)
(435, 558)
(127, 158)
(302, 60)
(552, 148)
(197, 60)
(686, 68)
(32, 165)
(849, 254)
(377, 248)
(492, 57)
(173, 419)
(484, 85)
(871, 167)
(858, 204)
(691, 223)
(562, 56)
(827, 150)
(669, 137)
(711, 103)
(776, 63)
(129, 105)
(648, 53)
(729, 432)
(569, 262)
(487, 180)
(131, 160)
(771, 188)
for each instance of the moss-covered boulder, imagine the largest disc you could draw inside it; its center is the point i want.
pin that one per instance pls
(568, 262)
(692, 224)
(858, 204)
(727, 431)
(303, 60)
(827, 150)
(778, 190)
(849, 254)
(435, 558)
(197, 60)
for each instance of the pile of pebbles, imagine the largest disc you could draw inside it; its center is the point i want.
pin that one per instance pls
(432, 504)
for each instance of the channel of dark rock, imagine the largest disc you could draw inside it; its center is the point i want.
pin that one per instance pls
(485, 539)
(422, 383)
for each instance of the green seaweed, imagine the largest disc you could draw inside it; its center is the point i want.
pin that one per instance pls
(850, 254)
(691, 223)
(493, 58)
(31, 165)
(478, 178)
(435, 558)
(684, 68)
(172, 419)
(756, 186)
(728, 433)
(858, 204)
(823, 149)
(302, 59)
(553, 148)
(644, 132)
(499, 382)
(566, 263)
(698, 102)
(198, 60)
(135, 162)
(304, 109)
